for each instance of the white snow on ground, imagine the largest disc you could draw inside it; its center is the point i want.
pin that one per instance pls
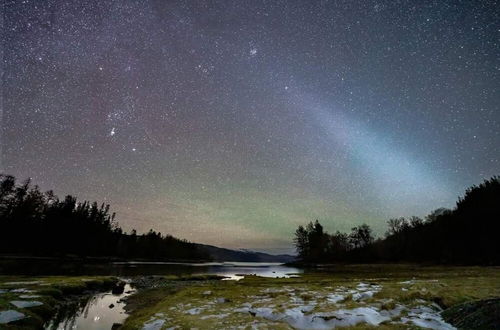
(426, 317)
(156, 322)
(296, 317)
(365, 291)
(25, 304)
(278, 290)
(22, 290)
(10, 316)
(194, 311)
(299, 313)
(153, 325)
(362, 295)
(300, 310)
(218, 316)
(335, 298)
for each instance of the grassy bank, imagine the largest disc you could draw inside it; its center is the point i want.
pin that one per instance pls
(390, 296)
(35, 299)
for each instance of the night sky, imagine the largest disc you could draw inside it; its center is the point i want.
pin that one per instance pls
(232, 122)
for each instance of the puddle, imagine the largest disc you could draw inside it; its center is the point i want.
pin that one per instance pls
(97, 312)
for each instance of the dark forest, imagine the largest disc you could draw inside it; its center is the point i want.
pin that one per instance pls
(468, 234)
(41, 224)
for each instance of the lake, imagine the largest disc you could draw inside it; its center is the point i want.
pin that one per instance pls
(45, 267)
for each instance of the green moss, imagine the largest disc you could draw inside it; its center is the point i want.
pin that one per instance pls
(444, 286)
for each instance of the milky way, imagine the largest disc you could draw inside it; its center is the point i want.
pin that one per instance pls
(231, 122)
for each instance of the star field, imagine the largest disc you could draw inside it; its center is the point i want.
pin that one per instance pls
(232, 122)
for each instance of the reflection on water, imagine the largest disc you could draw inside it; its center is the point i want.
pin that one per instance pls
(102, 310)
(232, 270)
(127, 269)
(236, 271)
(99, 311)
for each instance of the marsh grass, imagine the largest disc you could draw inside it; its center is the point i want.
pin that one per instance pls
(189, 305)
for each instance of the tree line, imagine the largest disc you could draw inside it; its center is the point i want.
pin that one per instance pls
(467, 234)
(36, 223)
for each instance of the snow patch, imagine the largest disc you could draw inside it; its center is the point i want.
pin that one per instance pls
(335, 298)
(153, 325)
(365, 291)
(194, 311)
(25, 304)
(362, 295)
(21, 290)
(10, 316)
(296, 317)
(426, 317)
(218, 316)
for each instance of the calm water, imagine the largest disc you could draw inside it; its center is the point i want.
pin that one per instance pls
(95, 312)
(232, 270)
(101, 310)
(40, 267)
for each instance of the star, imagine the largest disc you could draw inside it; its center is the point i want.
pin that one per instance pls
(346, 113)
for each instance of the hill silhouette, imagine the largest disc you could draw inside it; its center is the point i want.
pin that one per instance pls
(40, 224)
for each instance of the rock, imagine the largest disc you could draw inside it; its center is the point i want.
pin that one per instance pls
(118, 288)
(479, 314)
(111, 306)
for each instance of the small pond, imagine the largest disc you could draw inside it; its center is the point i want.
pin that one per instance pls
(95, 312)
